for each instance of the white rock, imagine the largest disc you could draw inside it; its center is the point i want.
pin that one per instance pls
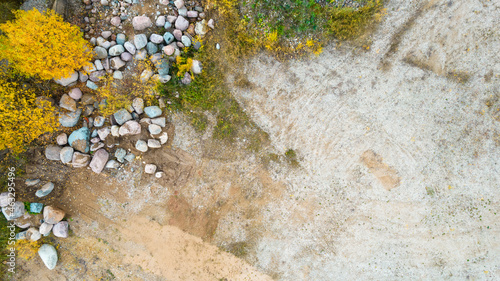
(150, 169)
(154, 143)
(62, 139)
(115, 131)
(163, 138)
(159, 174)
(45, 228)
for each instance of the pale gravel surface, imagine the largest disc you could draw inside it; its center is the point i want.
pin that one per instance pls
(335, 220)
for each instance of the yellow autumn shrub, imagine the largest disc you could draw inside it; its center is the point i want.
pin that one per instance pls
(22, 117)
(43, 45)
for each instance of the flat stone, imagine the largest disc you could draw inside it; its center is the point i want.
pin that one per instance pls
(91, 85)
(48, 254)
(177, 34)
(67, 154)
(52, 214)
(88, 99)
(122, 116)
(96, 146)
(130, 128)
(80, 160)
(14, 210)
(52, 152)
(66, 81)
(99, 160)
(179, 4)
(152, 111)
(150, 168)
(186, 41)
(45, 190)
(154, 143)
(106, 34)
(171, 19)
(141, 145)
(60, 229)
(30, 182)
(79, 139)
(116, 21)
(168, 50)
(83, 77)
(98, 65)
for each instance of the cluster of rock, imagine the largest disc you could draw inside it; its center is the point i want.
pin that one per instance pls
(35, 223)
(75, 149)
(168, 34)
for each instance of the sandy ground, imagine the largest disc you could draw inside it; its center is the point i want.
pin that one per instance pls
(397, 180)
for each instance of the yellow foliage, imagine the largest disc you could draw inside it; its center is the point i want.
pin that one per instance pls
(22, 117)
(184, 65)
(27, 249)
(43, 45)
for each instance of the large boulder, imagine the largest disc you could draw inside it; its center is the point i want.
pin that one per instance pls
(141, 22)
(52, 214)
(48, 254)
(79, 139)
(99, 160)
(181, 23)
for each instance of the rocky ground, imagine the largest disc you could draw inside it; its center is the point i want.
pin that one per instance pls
(397, 171)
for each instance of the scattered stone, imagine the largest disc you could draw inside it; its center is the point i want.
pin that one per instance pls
(181, 23)
(154, 129)
(116, 50)
(5, 198)
(67, 154)
(151, 48)
(168, 50)
(146, 74)
(141, 23)
(96, 146)
(116, 63)
(211, 24)
(160, 21)
(167, 25)
(60, 229)
(192, 14)
(83, 77)
(30, 182)
(130, 157)
(22, 235)
(141, 54)
(88, 99)
(33, 234)
(99, 160)
(140, 41)
(106, 34)
(52, 214)
(70, 119)
(112, 164)
(196, 67)
(217, 46)
(75, 93)
(120, 38)
(122, 116)
(165, 78)
(138, 105)
(99, 121)
(150, 169)
(91, 85)
(45, 228)
(141, 146)
(146, 120)
(45, 190)
(115, 131)
(152, 111)
(120, 154)
(163, 138)
(177, 34)
(52, 152)
(159, 174)
(80, 160)
(98, 65)
(48, 254)
(95, 139)
(160, 121)
(79, 139)
(179, 4)
(186, 41)
(187, 79)
(100, 52)
(89, 67)
(36, 208)
(62, 139)
(182, 11)
(117, 75)
(154, 143)
(115, 21)
(171, 19)
(155, 38)
(130, 128)
(126, 56)
(66, 81)
(14, 210)
(130, 47)
(103, 133)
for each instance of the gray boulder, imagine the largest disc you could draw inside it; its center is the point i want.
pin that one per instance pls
(60, 229)
(130, 47)
(181, 23)
(72, 78)
(100, 52)
(141, 22)
(45, 228)
(140, 41)
(138, 105)
(152, 111)
(141, 146)
(70, 119)
(116, 50)
(67, 154)
(14, 210)
(122, 116)
(45, 190)
(130, 128)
